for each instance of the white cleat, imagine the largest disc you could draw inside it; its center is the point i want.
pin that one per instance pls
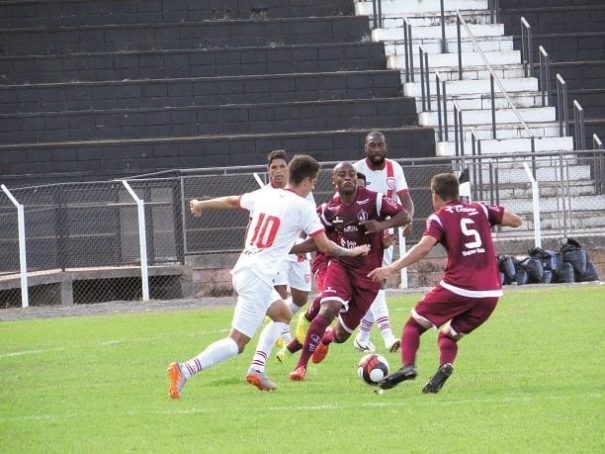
(393, 345)
(364, 346)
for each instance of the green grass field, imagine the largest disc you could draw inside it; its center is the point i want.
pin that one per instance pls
(531, 380)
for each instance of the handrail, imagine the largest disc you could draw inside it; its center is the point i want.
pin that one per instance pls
(409, 55)
(527, 58)
(441, 91)
(458, 129)
(424, 79)
(596, 142)
(544, 75)
(491, 71)
(599, 165)
(494, 8)
(578, 128)
(377, 13)
(562, 106)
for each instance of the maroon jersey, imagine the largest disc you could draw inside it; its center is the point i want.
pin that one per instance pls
(464, 229)
(343, 221)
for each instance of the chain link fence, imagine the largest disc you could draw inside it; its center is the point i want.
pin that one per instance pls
(83, 241)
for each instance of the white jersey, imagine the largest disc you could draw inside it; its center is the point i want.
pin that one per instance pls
(389, 180)
(276, 219)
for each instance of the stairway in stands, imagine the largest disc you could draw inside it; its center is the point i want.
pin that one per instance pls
(97, 89)
(573, 34)
(472, 94)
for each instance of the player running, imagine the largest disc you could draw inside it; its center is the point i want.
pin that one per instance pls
(470, 288)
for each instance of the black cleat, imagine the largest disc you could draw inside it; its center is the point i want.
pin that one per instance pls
(392, 380)
(437, 381)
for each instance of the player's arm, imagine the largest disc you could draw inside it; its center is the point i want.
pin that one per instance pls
(408, 205)
(511, 220)
(327, 246)
(397, 220)
(228, 202)
(415, 254)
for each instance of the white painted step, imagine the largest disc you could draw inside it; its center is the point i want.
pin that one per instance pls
(518, 175)
(482, 86)
(483, 101)
(480, 17)
(472, 73)
(504, 131)
(506, 146)
(419, 6)
(433, 45)
(478, 31)
(482, 117)
(438, 61)
(549, 205)
(547, 189)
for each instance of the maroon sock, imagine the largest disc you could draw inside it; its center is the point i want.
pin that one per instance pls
(313, 308)
(448, 349)
(410, 341)
(314, 334)
(294, 346)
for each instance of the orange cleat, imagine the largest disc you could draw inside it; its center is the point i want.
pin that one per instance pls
(320, 353)
(298, 374)
(177, 380)
(260, 380)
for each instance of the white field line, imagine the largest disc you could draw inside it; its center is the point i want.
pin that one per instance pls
(109, 342)
(521, 400)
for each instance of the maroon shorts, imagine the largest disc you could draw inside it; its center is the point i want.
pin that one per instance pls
(353, 288)
(440, 306)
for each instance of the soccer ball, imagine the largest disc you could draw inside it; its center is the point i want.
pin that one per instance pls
(372, 368)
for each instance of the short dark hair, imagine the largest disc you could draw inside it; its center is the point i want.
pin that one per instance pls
(361, 176)
(300, 167)
(446, 186)
(276, 154)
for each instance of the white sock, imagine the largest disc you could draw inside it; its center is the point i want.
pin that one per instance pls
(365, 326)
(380, 310)
(287, 335)
(267, 338)
(215, 353)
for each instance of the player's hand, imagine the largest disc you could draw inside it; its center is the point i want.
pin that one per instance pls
(407, 230)
(372, 226)
(379, 274)
(388, 239)
(364, 249)
(195, 206)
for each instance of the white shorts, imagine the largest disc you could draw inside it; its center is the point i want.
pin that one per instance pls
(387, 256)
(296, 274)
(254, 296)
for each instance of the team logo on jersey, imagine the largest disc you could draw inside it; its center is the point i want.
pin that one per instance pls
(337, 220)
(363, 202)
(351, 228)
(362, 215)
(390, 183)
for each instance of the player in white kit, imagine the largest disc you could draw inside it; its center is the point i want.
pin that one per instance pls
(277, 218)
(385, 176)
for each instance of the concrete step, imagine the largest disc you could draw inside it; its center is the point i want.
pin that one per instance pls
(482, 86)
(433, 45)
(478, 31)
(477, 17)
(506, 146)
(589, 204)
(469, 73)
(505, 131)
(438, 61)
(547, 189)
(518, 175)
(484, 101)
(390, 7)
(483, 117)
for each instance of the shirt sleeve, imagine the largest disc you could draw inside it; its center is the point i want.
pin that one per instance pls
(387, 206)
(495, 214)
(312, 224)
(400, 182)
(433, 227)
(247, 200)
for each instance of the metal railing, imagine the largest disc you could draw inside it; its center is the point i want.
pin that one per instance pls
(441, 95)
(562, 106)
(599, 168)
(579, 137)
(544, 75)
(526, 48)
(377, 13)
(425, 83)
(407, 45)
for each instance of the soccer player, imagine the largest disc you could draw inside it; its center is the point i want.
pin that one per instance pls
(294, 271)
(385, 176)
(355, 216)
(470, 288)
(277, 218)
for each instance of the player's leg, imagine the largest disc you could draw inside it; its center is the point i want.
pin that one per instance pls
(280, 316)
(451, 332)
(362, 340)
(248, 315)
